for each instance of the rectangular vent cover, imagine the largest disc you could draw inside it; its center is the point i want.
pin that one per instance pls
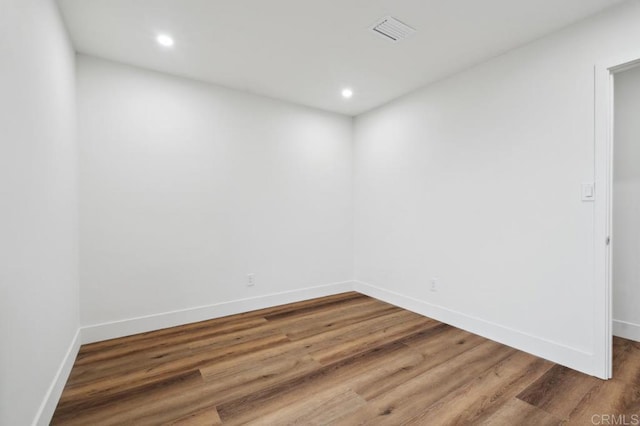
(392, 29)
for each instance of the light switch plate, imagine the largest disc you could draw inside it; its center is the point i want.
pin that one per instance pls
(588, 191)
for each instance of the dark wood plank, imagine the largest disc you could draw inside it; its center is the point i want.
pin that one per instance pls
(153, 354)
(363, 339)
(517, 412)
(325, 407)
(258, 371)
(110, 386)
(370, 366)
(481, 397)
(127, 404)
(107, 348)
(626, 361)
(207, 416)
(612, 397)
(444, 347)
(300, 327)
(559, 391)
(404, 402)
(308, 306)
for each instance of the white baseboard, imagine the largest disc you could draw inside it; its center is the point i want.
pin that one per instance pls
(552, 351)
(626, 330)
(48, 406)
(111, 330)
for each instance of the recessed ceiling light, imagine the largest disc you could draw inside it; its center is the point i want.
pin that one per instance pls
(164, 40)
(347, 93)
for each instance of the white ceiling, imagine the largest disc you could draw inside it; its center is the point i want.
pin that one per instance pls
(306, 51)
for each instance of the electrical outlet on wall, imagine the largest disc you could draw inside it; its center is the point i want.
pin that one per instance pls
(251, 280)
(434, 284)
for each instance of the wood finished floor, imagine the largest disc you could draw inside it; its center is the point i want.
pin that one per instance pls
(345, 359)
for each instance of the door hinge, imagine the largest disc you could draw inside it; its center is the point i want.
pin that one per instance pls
(608, 241)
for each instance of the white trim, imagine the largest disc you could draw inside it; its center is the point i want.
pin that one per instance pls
(50, 401)
(553, 351)
(603, 174)
(602, 219)
(626, 330)
(127, 327)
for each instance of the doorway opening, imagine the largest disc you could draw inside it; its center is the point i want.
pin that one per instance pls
(625, 247)
(617, 242)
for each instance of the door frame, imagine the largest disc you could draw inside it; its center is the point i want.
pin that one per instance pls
(603, 209)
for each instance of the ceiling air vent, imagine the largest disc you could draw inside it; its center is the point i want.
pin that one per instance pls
(392, 29)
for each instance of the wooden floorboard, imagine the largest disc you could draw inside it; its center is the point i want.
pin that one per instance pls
(571, 385)
(344, 359)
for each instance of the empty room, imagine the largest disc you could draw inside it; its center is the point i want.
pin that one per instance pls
(274, 212)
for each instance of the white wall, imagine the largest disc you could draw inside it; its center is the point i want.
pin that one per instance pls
(626, 205)
(476, 180)
(38, 210)
(188, 187)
